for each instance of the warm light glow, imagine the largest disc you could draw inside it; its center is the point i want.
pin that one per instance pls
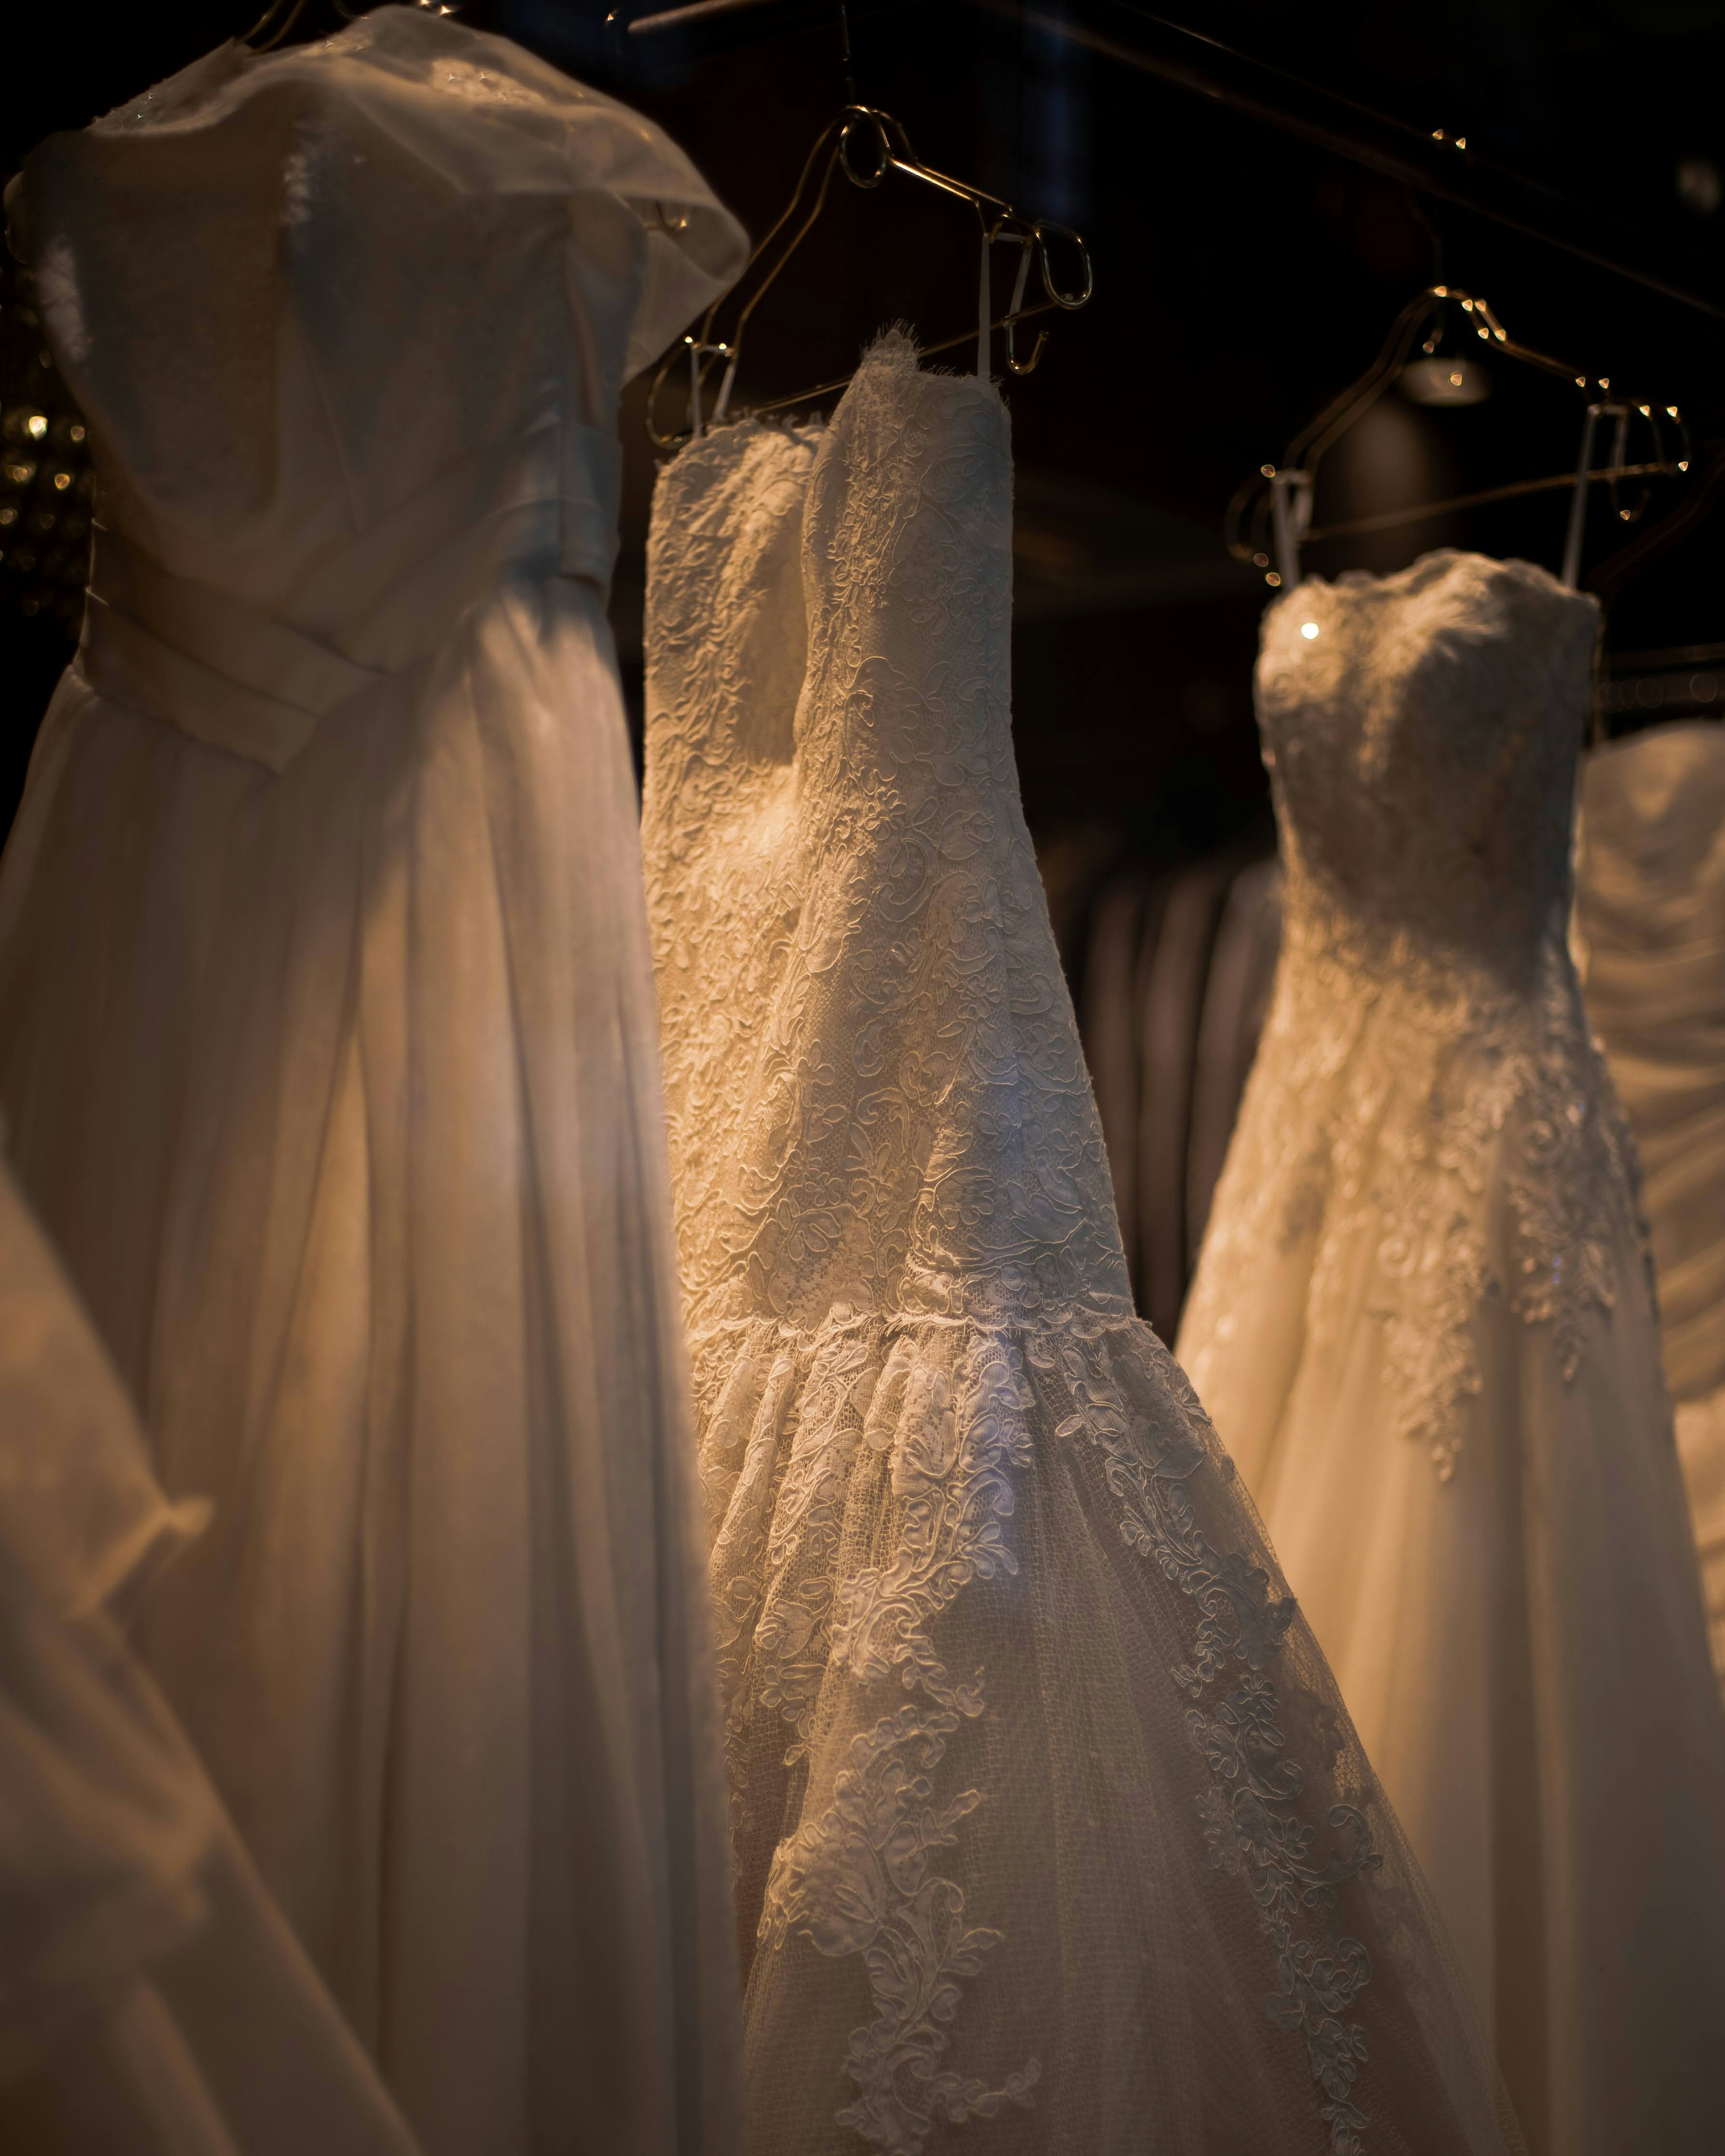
(1605, 382)
(1446, 380)
(1646, 411)
(1268, 471)
(62, 480)
(1461, 142)
(1671, 411)
(37, 425)
(1308, 630)
(1272, 578)
(76, 433)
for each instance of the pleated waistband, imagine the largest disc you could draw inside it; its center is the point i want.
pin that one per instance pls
(238, 677)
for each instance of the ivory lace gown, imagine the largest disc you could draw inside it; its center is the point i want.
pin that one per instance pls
(1650, 912)
(328, 1047)
(1423, 1321)
(152, 2001)
(1051, 1833)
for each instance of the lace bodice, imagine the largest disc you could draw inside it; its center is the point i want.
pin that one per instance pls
(1423, 731)
(847, 855)
(1426, 1056)
(349, 322)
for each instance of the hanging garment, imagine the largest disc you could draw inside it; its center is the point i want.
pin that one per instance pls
(1236, 1002)
(1423, 1321)
(1048, 1818)
(328, 1045)
(152, 2001)
(1651, 913)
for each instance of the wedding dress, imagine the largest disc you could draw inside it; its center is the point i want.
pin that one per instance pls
(328, 1046)
(1651, 914)
(1049, 1822)
(152, 2002)
(1423, 1321)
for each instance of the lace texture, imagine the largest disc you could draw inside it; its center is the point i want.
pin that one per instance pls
(1426, 1087)
(1427, 1231)
(1009, 1677)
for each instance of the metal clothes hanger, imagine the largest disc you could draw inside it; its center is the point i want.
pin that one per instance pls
(865, 145)
(1271, 513)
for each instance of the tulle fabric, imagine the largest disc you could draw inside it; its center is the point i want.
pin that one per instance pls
(152, 2003)
(1051, 1831)
(1650, 915)
(343, 1099)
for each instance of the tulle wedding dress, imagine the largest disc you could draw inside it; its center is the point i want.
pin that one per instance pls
(1649, 909)
(328, 1045)
(1423, 1321)
(153, 2000)
(1051, 1831)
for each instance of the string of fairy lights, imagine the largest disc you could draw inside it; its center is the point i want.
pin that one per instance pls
(46, 481)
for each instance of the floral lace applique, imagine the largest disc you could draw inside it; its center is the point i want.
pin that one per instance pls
(1253, 1828)
(858, 1881)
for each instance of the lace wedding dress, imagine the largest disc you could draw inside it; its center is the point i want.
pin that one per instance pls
(1649, 909)
(1049, 1823)
(1423, 1321)
(152, 2002)
(327, 1041)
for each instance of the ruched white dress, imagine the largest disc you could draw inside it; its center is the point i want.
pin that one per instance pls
(152, 2001)
(328, 1046)
(1650, 907)
(1051, 1831)
(1422, 1320)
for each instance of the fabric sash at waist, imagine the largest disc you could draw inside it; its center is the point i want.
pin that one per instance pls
(237, 677)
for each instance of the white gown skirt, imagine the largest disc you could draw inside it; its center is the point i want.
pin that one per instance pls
(339, 1090)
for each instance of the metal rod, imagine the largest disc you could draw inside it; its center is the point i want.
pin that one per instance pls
(1358, 525)
(697, 11)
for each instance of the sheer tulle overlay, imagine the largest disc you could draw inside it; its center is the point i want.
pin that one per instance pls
(152, 2003)
(1049, 1821)
(1424, 1323)
(327, 1040)
(1649, 909)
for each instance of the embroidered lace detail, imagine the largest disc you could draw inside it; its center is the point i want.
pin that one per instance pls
(1426, 1089)
(935, 1441)
(858, 1881)
(1253, 1829)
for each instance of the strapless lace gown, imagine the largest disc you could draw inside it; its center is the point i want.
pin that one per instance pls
(1650, 907)
(1423, 1321)
(1048, 1818)
(152, 2001)
(327, 1040)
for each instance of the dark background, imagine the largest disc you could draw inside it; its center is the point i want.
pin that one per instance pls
(1246, 268)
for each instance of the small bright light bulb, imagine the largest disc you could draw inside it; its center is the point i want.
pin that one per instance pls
(1605, 382)
(37, 426)
(1308, 630)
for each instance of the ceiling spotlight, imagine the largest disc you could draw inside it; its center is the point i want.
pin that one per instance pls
(1445, 382)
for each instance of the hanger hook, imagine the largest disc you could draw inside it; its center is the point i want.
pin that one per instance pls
(1041, 232)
